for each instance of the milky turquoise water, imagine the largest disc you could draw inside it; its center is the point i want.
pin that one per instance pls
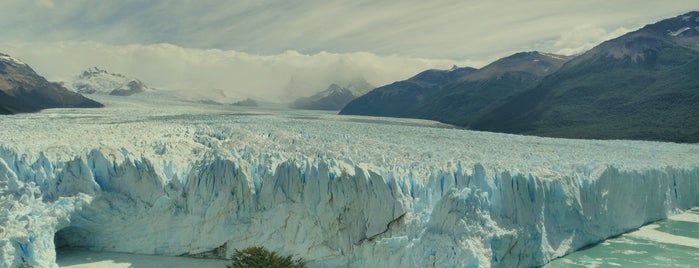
(630, 250)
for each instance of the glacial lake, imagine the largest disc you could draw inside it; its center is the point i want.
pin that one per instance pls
(668, 243)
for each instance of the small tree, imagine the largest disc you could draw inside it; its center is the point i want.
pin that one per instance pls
(256, 257)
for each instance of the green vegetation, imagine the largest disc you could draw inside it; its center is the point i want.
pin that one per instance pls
(463, 103)
(258, 257)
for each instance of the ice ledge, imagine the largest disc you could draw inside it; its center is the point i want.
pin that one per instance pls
(330, 212)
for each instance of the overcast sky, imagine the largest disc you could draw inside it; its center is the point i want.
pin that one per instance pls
(254, 48)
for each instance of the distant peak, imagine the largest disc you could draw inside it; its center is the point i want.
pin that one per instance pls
(676, 27)
(691, 14)
(96, 71)
(334, 86)
(531, 55)
(96, 80)
(691, 18)
(556, 56)
(9, 58)
(526, 54)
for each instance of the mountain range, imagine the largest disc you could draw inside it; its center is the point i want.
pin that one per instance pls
(335, 96)
(642, 85)
(459, 95)
(22, 90)
(401, 99)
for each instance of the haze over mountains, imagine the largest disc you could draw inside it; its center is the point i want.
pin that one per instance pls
(335, 96)
(22, 90)
(642, 85)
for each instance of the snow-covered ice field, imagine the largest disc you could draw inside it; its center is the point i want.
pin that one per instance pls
(180, 179)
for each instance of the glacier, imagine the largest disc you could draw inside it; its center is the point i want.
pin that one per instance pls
(177, 179)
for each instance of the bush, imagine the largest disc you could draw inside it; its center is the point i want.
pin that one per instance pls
(261, 257)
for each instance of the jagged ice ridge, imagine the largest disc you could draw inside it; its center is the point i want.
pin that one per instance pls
(184, 179)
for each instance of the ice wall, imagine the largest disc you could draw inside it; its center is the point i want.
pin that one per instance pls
(330, 212)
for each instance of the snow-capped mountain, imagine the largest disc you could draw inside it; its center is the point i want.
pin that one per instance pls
(23, 90)
(336, 96)
(99, 81)
(681, 31)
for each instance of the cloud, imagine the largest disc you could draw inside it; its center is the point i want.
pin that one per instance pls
(235, 73)
(454, 29)
(45, 3)
(583, 38)
(255, 48)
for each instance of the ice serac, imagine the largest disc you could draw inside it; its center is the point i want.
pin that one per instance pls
(28, 223)
(204, 184)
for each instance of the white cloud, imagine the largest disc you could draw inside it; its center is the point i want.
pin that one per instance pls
(583, 38)
(454, 29)
(234, 73)
(45, 3)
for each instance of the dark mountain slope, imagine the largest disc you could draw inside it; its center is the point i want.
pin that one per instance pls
(401, 99)
(459, 96)
(642, 85)
(22, 90)
(9, 104)
(463, 102)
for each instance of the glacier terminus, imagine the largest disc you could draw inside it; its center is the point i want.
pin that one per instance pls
(179, 179)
